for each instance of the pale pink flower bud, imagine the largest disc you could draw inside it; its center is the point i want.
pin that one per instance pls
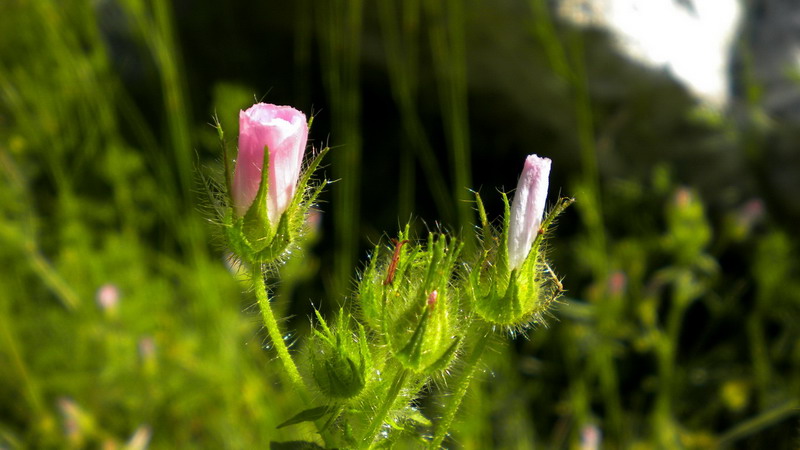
(147, 348)
(432, 297)
(284, 131)
(591, 437)
(527, 209)
(616, 283)
(107, 297)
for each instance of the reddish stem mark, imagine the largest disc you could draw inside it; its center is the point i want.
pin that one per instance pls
(393, 264)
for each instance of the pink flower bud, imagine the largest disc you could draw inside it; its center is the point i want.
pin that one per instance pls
(591, 437)
(432, 297)
(527, 209)
(107, 297)
(284, 131)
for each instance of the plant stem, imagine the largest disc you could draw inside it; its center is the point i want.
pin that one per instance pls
(471, 363)
(276, 337)
(669, 338)
(759, 354)
(274, 332)
(380, 415)
(759, 422)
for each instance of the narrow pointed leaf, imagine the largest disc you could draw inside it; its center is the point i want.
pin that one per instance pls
(308, 415)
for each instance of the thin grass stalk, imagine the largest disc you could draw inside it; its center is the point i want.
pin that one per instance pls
(341, 55)
(31, 391)
(448, 46)
(402, 42)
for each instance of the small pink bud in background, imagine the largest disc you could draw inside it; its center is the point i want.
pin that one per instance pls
(617, 282)
(683, 197)
(527, 209)
(71, 413)
(284, 131)
(591, 437)
(107, 297)
(147, 355)
(147, 348)
(140, 439)
(750, 213)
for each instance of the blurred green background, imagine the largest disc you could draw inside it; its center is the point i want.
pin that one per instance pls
(121, 324)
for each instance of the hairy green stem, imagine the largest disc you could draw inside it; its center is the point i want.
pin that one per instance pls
(386, 406)
(276, 337)
(274, 331)
(468, 372)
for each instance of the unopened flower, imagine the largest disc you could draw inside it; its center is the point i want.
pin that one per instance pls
(591, 437)
(527, 209)
(269, 196)
(283, 131)
(107, 297)
(407, 296)
(616, 283)
(513, 284)
(340, 359)
(147, 348)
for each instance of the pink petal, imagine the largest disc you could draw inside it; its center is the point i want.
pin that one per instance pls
(285, 131)
(527, 208)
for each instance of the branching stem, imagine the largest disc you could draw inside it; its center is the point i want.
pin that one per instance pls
(380, 416)
(462, 384)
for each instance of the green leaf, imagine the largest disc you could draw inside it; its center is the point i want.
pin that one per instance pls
(309, 415)
(447, 357)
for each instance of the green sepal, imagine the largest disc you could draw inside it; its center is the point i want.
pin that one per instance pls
(262, 251)
(485, 227)
(411, 354)
(225, 161)
(308, 415)
(432, 324)
(370, 293)
(303, 182)
(447, 357)
(253, 238)
(256, 226)
(502, 260)
(414, 415)
(511, 298)
(339, 365)
(393, 296)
